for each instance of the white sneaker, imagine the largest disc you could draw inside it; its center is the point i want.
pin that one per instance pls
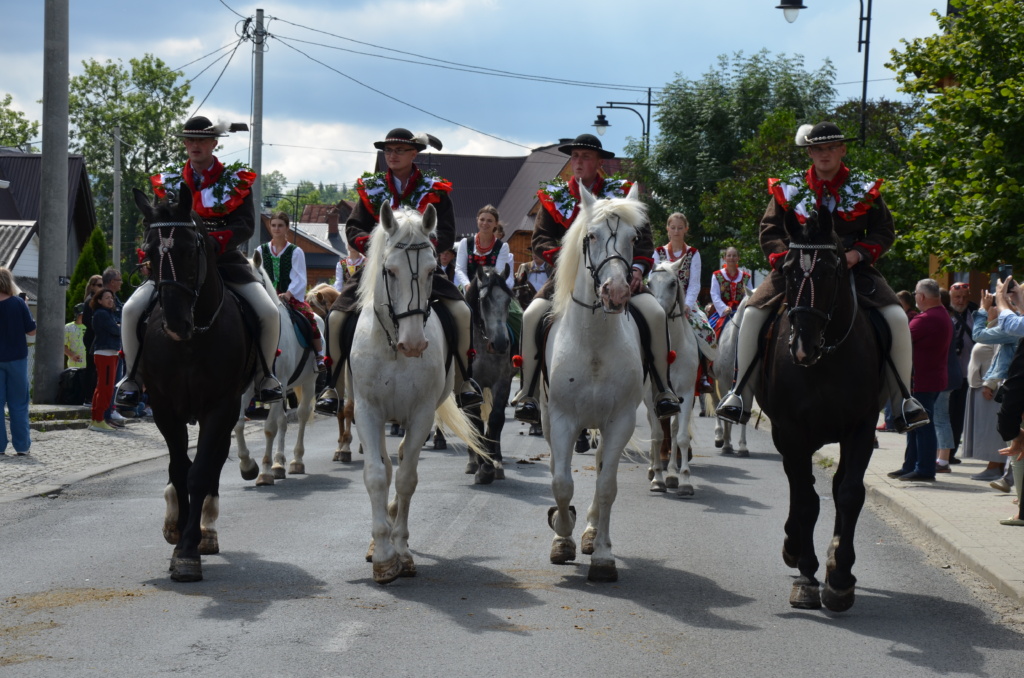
(101, 426)
(147, 412)
(117, 416)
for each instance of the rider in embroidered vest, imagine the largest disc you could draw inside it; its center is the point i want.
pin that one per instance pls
(285, 265)
(221, 196)
(729, 285)
(559, 207)
(865, 226)
(403, 185)
(483, 249)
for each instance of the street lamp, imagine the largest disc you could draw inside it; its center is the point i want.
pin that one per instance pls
(602, 124)
(791, 8)
(295, 207)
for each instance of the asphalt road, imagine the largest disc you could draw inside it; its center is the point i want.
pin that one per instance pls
(702, 587)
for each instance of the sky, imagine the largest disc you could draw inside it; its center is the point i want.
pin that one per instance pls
(321, 119)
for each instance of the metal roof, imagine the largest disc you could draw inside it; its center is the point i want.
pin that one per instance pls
(14, 237)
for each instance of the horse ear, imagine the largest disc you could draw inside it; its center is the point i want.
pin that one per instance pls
(429, 220)
(825, 226)
(586, 198)
(505, 271)
(144, 205)
(387, 218)
(634, 192)
(257, 258)
(184, 200)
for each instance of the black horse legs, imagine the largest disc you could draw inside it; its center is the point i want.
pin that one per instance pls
(804, 506)
(848, 494)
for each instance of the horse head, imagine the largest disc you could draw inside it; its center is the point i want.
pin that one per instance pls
(490, 299)
(665, 286)
(598, 251)
(813, 270)
(399, 274)
(182, 254)
(321, 298)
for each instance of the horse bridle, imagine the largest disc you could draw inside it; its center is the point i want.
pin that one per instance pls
(165, 245)
(595, 271)
(807, 264)
(672, 313)
(478, 313)
(416, 305)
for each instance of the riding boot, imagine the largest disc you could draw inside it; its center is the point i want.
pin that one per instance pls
(270, 389)
(527, 407)
(666, 403)
(467, 392)
(909, 413)
(128, 393)
(329, 401)
(735, 405)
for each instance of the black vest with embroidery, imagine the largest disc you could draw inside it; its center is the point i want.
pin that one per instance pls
(284, 277)
(474, 260)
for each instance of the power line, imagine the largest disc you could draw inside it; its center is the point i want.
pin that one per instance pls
(240, 41)
(397, 100)
(233, 11)
(320, 148)
(483, 70)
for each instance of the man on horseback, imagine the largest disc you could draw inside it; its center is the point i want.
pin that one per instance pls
(559, 208)
(865, 226)
(221, 197)
(402, 185)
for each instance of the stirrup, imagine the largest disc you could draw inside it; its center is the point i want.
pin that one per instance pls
(913, 415)
(527, 410)
(270, 390)
(328, 403)
(127, 394)
(471, 396)
(731, 409)
(666, 405)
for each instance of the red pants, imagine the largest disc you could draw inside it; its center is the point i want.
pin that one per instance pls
(106, 373)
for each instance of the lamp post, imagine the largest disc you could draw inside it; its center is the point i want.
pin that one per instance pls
(602, 124)
(295, 207)
(791, 9)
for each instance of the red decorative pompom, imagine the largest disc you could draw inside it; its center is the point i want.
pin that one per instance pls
(671, 357)
(278, 352)
(471, 353)
(121, 354)
(328, 361)
(517, 361)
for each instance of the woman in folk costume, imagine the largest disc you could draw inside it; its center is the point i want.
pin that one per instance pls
(483, 249)
(221, 196)
(559, 207)
(403, 185)
(677, 227)
(285, 265)
(729, 285)
(864, 224)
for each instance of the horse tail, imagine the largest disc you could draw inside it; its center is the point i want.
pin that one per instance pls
(455, 420)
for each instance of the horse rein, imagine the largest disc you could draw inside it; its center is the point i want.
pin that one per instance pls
(165, 245)
(807, 264)
(413, 308)
(672, 313)
(595, 271)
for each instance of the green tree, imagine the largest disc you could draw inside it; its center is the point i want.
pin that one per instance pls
(307, 195)
(93, 259)
(147, 101)
(16, 130)
(704, 124)
(273, 186)
(962, 188)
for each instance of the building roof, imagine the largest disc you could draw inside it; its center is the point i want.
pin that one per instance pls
(544, 164)
(15, 235)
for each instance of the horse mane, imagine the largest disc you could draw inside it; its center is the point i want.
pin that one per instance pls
(570, 256)
(408, 230)
(322, 288)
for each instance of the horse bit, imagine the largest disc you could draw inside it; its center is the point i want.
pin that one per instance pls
(595, 272)
(415, 303)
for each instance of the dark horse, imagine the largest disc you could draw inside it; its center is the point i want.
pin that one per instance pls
(822, 385)
(198, 360)
(489, 296)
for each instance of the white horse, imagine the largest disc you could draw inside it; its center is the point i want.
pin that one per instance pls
(297, 366)
(398, 373)
(723, 369)
(595, 376)
(664, 285)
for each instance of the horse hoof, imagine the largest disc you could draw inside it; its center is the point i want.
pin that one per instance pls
(209, 545)
(602, 571)
(343, 457)
(186, 569)
(742, 453)
(484, 475)
(471, 467)
(837, 600)
(440, 443)
(249, 473)
(672, 482)
(265, 479)
(387, 572)
(551, 516)
(685, 490)
(582, 443)
(369, 552)
(563, 549)
(171, 534)
(499, 473)
(805, 595)
(728, 450)
(278, 471)
(587, 541)
(296, 467)
(408, 566)
(719, 443)
(658, 486)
